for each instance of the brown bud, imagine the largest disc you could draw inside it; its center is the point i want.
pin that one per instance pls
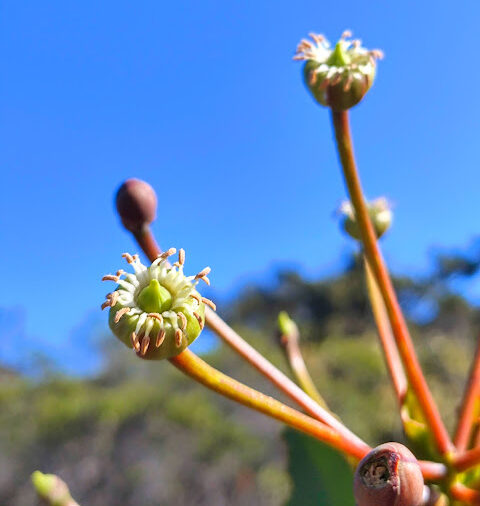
(388, 476)
(136, 204)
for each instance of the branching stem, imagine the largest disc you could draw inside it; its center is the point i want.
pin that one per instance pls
(213, 379)
(469, 405)
(389, 347)
(299, 368)
(397, 321)
(466, 495)
(257, 360)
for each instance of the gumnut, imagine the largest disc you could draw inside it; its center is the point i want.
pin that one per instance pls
(389, 476)
(340, 77)
(136, 203)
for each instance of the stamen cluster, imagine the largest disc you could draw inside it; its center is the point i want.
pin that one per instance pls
(157, 310)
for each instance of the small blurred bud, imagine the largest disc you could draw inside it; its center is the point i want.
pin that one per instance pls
(286, 325)
(136, 204)
(52, 490)
(389, 476)
(380, 213)
(337, 78)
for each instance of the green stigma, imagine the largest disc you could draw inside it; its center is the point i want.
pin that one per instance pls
(154, 298)
(339, 57)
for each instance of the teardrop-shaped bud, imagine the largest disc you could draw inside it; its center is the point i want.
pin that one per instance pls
(136, 203)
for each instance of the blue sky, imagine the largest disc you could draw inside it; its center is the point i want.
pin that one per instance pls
(203, 100)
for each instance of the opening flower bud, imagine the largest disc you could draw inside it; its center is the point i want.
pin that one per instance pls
(389, 476)
(136, 204)
(157, 310)
(340, 77)
(380, 213)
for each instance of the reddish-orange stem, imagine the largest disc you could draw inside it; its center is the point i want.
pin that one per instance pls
(374, 256)
(389, 347)
(432, 471)
(147, 242)
(257, 360)
(467, 459)
(213, 379)
(467, 414)
(462, 493)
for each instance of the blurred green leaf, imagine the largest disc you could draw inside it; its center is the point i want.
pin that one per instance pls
(320, 475)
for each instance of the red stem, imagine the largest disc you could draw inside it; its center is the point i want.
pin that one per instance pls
(467, 414)
(389, 347)
(466, 495)
(432, 471)
(467, 459)
(375, 259)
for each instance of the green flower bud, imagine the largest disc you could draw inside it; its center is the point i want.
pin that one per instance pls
(52, 490)
(286, 325)
(157, 310)
(337, 78)
(380, 213)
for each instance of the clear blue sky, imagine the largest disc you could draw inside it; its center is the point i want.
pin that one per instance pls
(203, 100)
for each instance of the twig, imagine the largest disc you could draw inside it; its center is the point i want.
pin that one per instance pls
(466, 418)
(289, 339)
(389, 347)
(405, 346)
(257, 360)
(466, 495)
(213, 379)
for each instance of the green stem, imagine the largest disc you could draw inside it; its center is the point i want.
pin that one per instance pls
(397, 321)
(299, 368)
(215, 380)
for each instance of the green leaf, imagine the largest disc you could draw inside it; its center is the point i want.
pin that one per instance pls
(320, 475)
(417, 432)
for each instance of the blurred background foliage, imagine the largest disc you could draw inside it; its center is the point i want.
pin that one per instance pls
(141, 433)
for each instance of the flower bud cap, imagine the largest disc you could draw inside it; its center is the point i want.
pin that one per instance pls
(136, 204)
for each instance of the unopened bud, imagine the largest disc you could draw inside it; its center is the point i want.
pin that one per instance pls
(389, 476)
(286, 325)
(338, 78)
(380, 214)
(52, 490)
(136, 204)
